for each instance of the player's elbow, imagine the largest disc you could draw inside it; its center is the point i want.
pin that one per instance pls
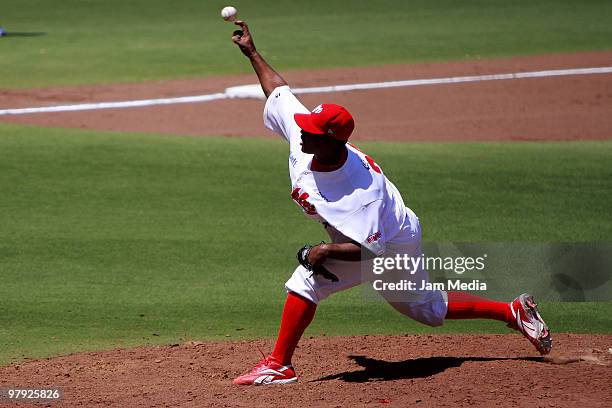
(269, 86)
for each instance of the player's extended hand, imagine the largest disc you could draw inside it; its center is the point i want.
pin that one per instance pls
(243, 39)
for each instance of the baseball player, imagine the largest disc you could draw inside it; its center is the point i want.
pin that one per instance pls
(364, 215)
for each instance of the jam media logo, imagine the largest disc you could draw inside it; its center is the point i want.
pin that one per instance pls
(300, 199)
(567, 271)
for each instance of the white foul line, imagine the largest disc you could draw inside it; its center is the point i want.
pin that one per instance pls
(114, 105)
(254, 91)
(455, 80)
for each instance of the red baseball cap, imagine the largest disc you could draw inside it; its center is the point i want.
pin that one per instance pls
(327, 119)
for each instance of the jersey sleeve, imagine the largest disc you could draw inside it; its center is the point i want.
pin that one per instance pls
(365, 227)
(278, 115)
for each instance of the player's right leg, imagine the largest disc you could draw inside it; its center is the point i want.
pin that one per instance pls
(432, 307)
(521, 314)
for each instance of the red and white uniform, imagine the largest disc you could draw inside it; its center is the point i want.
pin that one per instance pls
(355, 202)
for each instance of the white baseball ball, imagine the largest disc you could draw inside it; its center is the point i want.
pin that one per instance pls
(229, 13)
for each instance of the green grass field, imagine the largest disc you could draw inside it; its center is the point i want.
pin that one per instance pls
(113, 240)
(140, 40)
(122, 239)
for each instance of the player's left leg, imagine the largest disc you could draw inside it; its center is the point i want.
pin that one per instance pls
(297, 316)
(276, 368)
(304, 292)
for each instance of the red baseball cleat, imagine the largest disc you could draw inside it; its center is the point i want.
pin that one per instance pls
(268, 372)
(529, 322)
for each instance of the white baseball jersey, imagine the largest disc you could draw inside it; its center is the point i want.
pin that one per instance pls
(355, 202)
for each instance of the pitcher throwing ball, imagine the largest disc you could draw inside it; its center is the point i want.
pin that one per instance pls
(364, 214)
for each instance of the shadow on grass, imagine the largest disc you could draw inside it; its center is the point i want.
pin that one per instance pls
(380, 370)
(23, 34)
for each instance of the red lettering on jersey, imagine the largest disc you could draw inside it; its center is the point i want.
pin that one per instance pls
(370, 160)
(374, 237)
(300, 199)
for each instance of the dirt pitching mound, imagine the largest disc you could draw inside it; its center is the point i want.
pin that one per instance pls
(410, 370)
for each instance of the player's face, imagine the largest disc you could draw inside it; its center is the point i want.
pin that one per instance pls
(319, 145)
(310, 142)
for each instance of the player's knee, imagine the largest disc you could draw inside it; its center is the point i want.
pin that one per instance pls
(428, 313)
(435, 322)
(302, 286)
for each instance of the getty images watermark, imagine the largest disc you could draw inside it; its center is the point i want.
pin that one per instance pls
(552, 271)
(403, 272)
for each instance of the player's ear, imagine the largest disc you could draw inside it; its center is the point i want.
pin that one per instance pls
(339, 143)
